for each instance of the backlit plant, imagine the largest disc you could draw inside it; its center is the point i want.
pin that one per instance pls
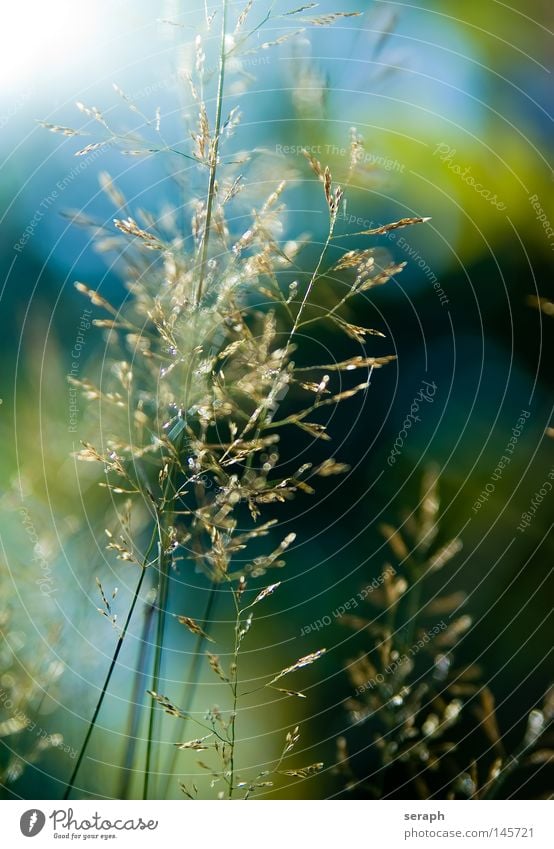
(202, 376)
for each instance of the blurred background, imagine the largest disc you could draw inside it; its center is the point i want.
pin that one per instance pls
(454, 103)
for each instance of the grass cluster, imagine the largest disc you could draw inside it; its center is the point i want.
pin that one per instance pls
(201, 378)
(207, 363)
(417, 716)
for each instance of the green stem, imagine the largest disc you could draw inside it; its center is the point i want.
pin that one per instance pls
(213, 157)
(163, 566)
(136, 704)
(92, 723)
(234, 688)
(314, 277)
(194, 672)
(187, 389)
(214, 153)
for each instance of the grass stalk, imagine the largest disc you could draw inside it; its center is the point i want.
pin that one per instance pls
(213, 155)
(136, 706)
(220, 377)
(192, 678)
(162, 595)
(113, 664)
(234, 690)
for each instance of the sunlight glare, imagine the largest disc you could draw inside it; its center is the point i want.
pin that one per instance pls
(36, 36)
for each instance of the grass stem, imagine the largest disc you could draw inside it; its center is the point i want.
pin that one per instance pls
(213, 156)
(92, 723)
(193, 676)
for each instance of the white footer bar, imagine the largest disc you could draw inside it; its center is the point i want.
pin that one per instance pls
(269, 824)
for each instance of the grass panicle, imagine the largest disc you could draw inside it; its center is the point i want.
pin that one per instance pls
(203, 379)
(411, 699)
